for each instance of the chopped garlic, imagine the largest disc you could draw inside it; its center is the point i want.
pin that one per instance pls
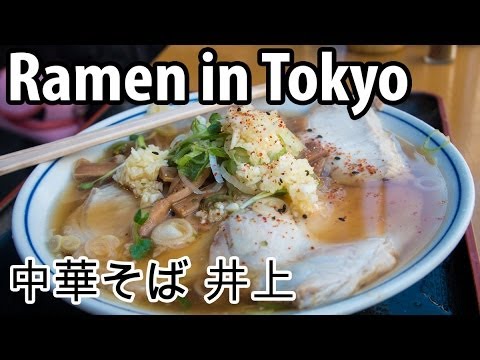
(217, 212)
(140, 173)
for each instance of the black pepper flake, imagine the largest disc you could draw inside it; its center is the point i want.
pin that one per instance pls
(309, 130)
(156, 153)
(342, 218)
(355, 173)
(273, 218)
(281, 181)
(268, 113)
(304, 216)
(283, 210)
(307, 172)
(337, 157)
(319, 137)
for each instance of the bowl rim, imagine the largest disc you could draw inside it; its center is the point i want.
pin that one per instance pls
(410, 274)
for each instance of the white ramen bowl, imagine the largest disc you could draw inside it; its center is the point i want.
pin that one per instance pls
(40, 193)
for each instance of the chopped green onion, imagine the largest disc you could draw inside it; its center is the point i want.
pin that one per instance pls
(140, 248)
(429, 152)
(141, 216)
(192, 154)
(260, 196)
(193, 169)
(197, 125)
(140, 142)
(86, 185)
(187, 157)
(278, 154)
(214, 128)
(215, 117)
(230, 166)
(240, 155)
(218, 152)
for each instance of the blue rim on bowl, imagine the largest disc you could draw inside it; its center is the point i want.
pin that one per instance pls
(461, 203)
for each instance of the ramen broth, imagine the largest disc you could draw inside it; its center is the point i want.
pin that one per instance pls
(409, 213)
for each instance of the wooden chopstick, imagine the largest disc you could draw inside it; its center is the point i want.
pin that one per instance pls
(53, 150)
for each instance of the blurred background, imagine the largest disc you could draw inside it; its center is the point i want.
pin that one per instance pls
(446, 87)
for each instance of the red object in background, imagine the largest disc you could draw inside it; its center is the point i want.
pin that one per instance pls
(42, 123)
(5, 201)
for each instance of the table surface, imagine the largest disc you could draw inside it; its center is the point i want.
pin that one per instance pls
(458, 84)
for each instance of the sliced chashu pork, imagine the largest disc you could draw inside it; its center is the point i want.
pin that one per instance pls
(357, 150)
(321, 273)
(108, 210)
